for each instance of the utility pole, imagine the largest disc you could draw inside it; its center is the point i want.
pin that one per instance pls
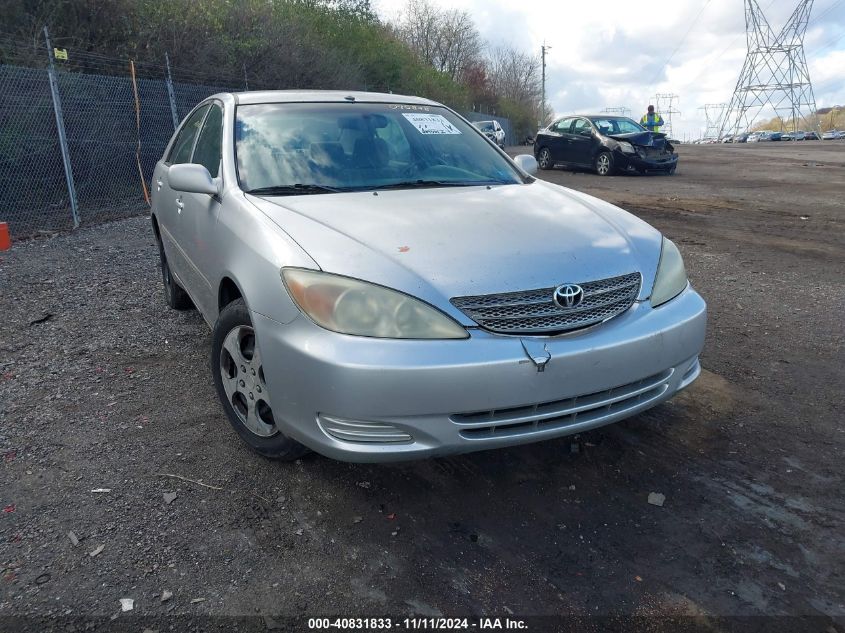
(775, 76)
(668, 99)
(542, 122)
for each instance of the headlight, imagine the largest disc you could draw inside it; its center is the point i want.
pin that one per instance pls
(671, 276)
(626, 147)
(349, 306)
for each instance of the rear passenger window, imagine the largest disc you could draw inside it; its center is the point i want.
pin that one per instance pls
(181, 151)
(210, 141)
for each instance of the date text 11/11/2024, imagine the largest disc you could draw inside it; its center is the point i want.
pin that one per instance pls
(418, 624)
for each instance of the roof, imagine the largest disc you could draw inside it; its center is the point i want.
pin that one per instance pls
(325, 96)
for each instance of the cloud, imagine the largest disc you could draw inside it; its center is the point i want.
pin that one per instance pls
(623, 52)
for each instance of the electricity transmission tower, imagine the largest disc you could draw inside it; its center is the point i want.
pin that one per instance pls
(713, 112)
(775, 73)
(664, 104)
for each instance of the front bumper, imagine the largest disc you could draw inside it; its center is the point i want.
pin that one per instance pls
(637, 162)
(410, 399)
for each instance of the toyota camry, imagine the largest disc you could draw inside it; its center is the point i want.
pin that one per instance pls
(382, 283)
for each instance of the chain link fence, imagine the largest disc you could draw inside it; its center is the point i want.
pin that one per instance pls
(72, 155)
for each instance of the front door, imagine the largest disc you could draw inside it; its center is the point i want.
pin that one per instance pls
(171, 203)
(200, 215)
(581, 143)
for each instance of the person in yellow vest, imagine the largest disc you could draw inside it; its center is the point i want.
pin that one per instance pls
(651, 120)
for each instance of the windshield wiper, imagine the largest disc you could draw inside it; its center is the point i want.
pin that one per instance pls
(288, 190)
(408, 184)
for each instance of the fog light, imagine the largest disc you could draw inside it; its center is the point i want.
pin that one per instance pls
(361, 431)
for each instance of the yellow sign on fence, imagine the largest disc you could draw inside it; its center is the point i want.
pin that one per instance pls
(60, 53)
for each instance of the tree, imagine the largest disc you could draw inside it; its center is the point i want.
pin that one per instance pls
(446, 40)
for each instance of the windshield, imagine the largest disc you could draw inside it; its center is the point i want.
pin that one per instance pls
(485, 126)
(329, 147)
(617, 125)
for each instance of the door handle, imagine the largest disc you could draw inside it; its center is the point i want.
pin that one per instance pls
(179, 205)
(158, 184)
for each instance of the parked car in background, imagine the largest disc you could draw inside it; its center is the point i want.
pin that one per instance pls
(833, 135)
(811, 136)
(741, 138)
(606, 144)
(493, 131)
(382, 284)
(754, 137)
(728, 139)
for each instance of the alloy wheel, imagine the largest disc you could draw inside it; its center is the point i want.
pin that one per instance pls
(603, 164)
(545, 159)
(243, 381)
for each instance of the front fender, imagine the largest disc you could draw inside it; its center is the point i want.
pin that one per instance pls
(253, 249)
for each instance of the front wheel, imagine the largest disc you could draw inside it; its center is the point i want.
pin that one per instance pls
(604, 164)
(544, 159)
(239, 379)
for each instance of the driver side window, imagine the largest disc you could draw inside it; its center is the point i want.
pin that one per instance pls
(181, 151)
(208, 151)
(580, 126)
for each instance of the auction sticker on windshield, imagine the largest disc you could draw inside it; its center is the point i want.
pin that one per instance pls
(431, 123)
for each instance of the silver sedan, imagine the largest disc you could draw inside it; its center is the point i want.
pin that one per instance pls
(383, 283)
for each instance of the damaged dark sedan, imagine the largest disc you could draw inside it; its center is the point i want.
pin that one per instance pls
(606, 144)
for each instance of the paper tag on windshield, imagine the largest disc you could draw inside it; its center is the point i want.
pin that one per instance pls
(431, 123)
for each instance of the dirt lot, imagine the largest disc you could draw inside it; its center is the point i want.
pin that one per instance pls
(112, 391)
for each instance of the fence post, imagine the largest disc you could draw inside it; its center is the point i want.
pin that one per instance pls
(170, 93)
(60, 126)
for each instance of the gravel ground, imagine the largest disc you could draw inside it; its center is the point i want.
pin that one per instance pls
(102, 387)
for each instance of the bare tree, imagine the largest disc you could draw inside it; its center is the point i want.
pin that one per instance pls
(514, 75)
(446, 40)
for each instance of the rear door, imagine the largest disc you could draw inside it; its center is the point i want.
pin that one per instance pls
(199, 217)
(558, 139)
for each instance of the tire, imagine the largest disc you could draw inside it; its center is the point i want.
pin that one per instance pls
(544, 159)
(239, 380)
(604, 164)
(671, 171)
(174, 294)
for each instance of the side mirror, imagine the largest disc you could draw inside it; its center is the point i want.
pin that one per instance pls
(191, 178)
(527, 163)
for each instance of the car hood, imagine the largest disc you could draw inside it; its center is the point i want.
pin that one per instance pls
(440, 243)
(646, 139)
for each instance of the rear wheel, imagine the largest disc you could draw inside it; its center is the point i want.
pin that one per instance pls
(174, 294)
(604, 164)
(544, 159)
(239, 380)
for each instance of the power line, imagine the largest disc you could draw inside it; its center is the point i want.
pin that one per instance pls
(681, 43)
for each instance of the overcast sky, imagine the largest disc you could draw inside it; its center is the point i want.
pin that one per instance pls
(622, 52)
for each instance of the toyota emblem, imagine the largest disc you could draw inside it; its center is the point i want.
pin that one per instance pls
(568, 295)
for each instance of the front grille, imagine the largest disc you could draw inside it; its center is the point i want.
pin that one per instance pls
(535, 311)
(589, 410)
